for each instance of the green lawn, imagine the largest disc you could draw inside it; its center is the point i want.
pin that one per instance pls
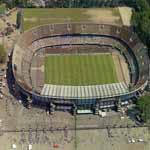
(39, 16)
(2, 8)
(79, 69)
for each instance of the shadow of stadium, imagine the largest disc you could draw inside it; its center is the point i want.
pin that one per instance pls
(13, 89)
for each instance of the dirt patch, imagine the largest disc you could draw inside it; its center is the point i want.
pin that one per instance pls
(37, 72)
(39, 68)
(125, 70)
(33, 19)
(126, 14)
(111, 16)
(118, 67)
(121, 68)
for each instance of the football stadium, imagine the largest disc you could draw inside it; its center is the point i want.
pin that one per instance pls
(80, 67)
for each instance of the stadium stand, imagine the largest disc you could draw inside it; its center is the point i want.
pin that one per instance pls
(122, 39)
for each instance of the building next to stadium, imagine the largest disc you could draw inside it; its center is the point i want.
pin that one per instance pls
(90, 98)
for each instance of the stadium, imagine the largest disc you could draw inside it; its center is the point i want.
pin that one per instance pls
(80, 67)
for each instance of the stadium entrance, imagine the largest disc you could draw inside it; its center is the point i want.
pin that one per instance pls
(85, 106)
(85, 109)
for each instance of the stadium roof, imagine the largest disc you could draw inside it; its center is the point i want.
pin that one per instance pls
(83, 92)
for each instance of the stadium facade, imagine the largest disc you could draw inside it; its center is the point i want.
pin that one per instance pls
(89, 98)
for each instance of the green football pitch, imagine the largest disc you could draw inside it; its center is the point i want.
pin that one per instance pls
(79, 69)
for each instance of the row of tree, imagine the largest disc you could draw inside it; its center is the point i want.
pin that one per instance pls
(84, 3)
(144, 107)
(141, 24)
(67, 3)
(141, 20)
(79, 3)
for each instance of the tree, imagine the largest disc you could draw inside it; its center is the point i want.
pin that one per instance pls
(19, 19)
(142, 5)
(144, 107)
(2, 54)
(141, 23)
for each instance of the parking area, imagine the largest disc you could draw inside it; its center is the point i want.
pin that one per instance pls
(81, 140)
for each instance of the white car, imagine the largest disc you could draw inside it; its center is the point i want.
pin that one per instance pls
(30, 146)
(140, 140)
(129, 140)
(5, 76)
(1, 96)
(133, 140)
(14, 146)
